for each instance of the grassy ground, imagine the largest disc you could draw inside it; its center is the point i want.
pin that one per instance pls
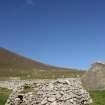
(38, 74)
(98, 97)
(4, 93)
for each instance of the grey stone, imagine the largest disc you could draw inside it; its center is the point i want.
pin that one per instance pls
(51, 92)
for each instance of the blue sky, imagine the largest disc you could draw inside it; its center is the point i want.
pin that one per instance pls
(67, 33)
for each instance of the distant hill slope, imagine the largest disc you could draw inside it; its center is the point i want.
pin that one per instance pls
(14, 65)
(95, 78)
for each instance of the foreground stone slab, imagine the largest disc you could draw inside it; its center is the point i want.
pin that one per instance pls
(50, 92)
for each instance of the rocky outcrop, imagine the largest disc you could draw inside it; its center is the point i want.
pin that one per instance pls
(53, 92)
(95, 77)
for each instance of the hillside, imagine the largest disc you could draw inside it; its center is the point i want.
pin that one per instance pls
(95, 78)
(15, 66)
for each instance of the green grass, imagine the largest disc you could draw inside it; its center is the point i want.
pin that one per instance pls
(4, 93)
(98, 97)
(42, 75)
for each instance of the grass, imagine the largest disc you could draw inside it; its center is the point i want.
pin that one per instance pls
(39, 74)
(98, 97)
(4, 93)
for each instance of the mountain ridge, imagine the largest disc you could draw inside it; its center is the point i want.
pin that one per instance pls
(15, 65)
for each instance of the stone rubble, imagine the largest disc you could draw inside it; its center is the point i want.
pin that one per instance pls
(51, 92)
(12, 84)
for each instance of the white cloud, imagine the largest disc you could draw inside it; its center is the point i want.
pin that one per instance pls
(29, 2)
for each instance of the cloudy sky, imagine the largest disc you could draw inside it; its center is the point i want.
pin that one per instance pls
(67, 33)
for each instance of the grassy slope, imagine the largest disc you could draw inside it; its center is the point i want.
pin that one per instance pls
(98, 97)
(13, 65)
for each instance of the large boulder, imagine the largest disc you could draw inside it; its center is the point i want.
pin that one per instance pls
(95, 77)
(55, 92)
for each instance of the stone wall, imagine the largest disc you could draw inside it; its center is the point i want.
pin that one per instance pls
(13, 84)
(95, 77)
(50, 92)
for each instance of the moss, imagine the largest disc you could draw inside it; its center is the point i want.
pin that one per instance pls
(27, 88)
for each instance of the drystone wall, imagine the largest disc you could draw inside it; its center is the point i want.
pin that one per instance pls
(94, 79)
(50, 92)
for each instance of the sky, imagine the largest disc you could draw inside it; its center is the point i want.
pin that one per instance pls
(66, 33)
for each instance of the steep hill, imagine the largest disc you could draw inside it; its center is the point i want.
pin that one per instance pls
(95, 78)
(15, 66)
